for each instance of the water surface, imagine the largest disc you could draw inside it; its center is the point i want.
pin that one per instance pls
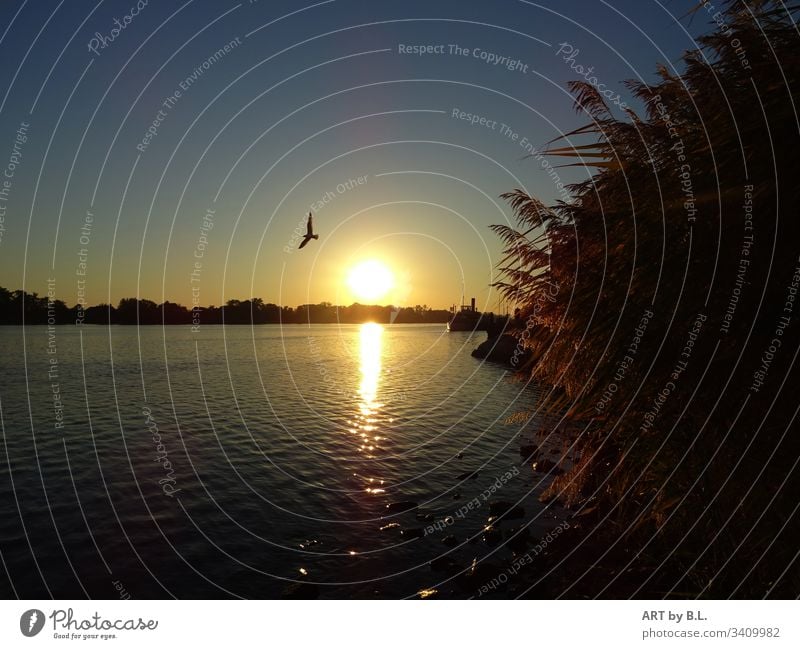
(233, 461)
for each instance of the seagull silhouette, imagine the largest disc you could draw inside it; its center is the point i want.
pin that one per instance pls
(309, 233)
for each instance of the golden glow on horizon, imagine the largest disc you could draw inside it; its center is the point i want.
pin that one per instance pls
(370, 280)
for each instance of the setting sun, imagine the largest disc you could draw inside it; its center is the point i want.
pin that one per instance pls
(370, 280)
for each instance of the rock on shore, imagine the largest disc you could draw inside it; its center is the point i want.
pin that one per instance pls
(502, 349)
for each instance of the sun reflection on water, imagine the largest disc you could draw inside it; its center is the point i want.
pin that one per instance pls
(371, 347)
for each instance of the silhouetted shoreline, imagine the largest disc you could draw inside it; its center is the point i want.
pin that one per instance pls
(23, 308)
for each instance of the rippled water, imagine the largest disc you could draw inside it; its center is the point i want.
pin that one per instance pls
(231, 461)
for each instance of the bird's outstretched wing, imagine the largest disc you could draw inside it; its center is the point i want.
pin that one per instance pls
(310, 226)
(303, 243)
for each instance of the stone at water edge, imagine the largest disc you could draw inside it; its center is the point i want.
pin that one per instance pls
(501, 349)
(517, 539)
(504, 509)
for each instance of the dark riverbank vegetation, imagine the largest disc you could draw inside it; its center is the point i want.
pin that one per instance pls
(660, 305)
(19, 307)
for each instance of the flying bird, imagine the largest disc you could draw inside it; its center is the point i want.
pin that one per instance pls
(309, 233)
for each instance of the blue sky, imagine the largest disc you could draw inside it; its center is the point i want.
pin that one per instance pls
(308, 98)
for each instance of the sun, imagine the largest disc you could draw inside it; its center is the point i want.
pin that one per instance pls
(370, 280)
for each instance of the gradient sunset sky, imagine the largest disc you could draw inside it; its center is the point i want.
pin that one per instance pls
(307, 99)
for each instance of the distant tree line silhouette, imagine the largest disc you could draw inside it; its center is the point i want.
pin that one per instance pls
(20, 307)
